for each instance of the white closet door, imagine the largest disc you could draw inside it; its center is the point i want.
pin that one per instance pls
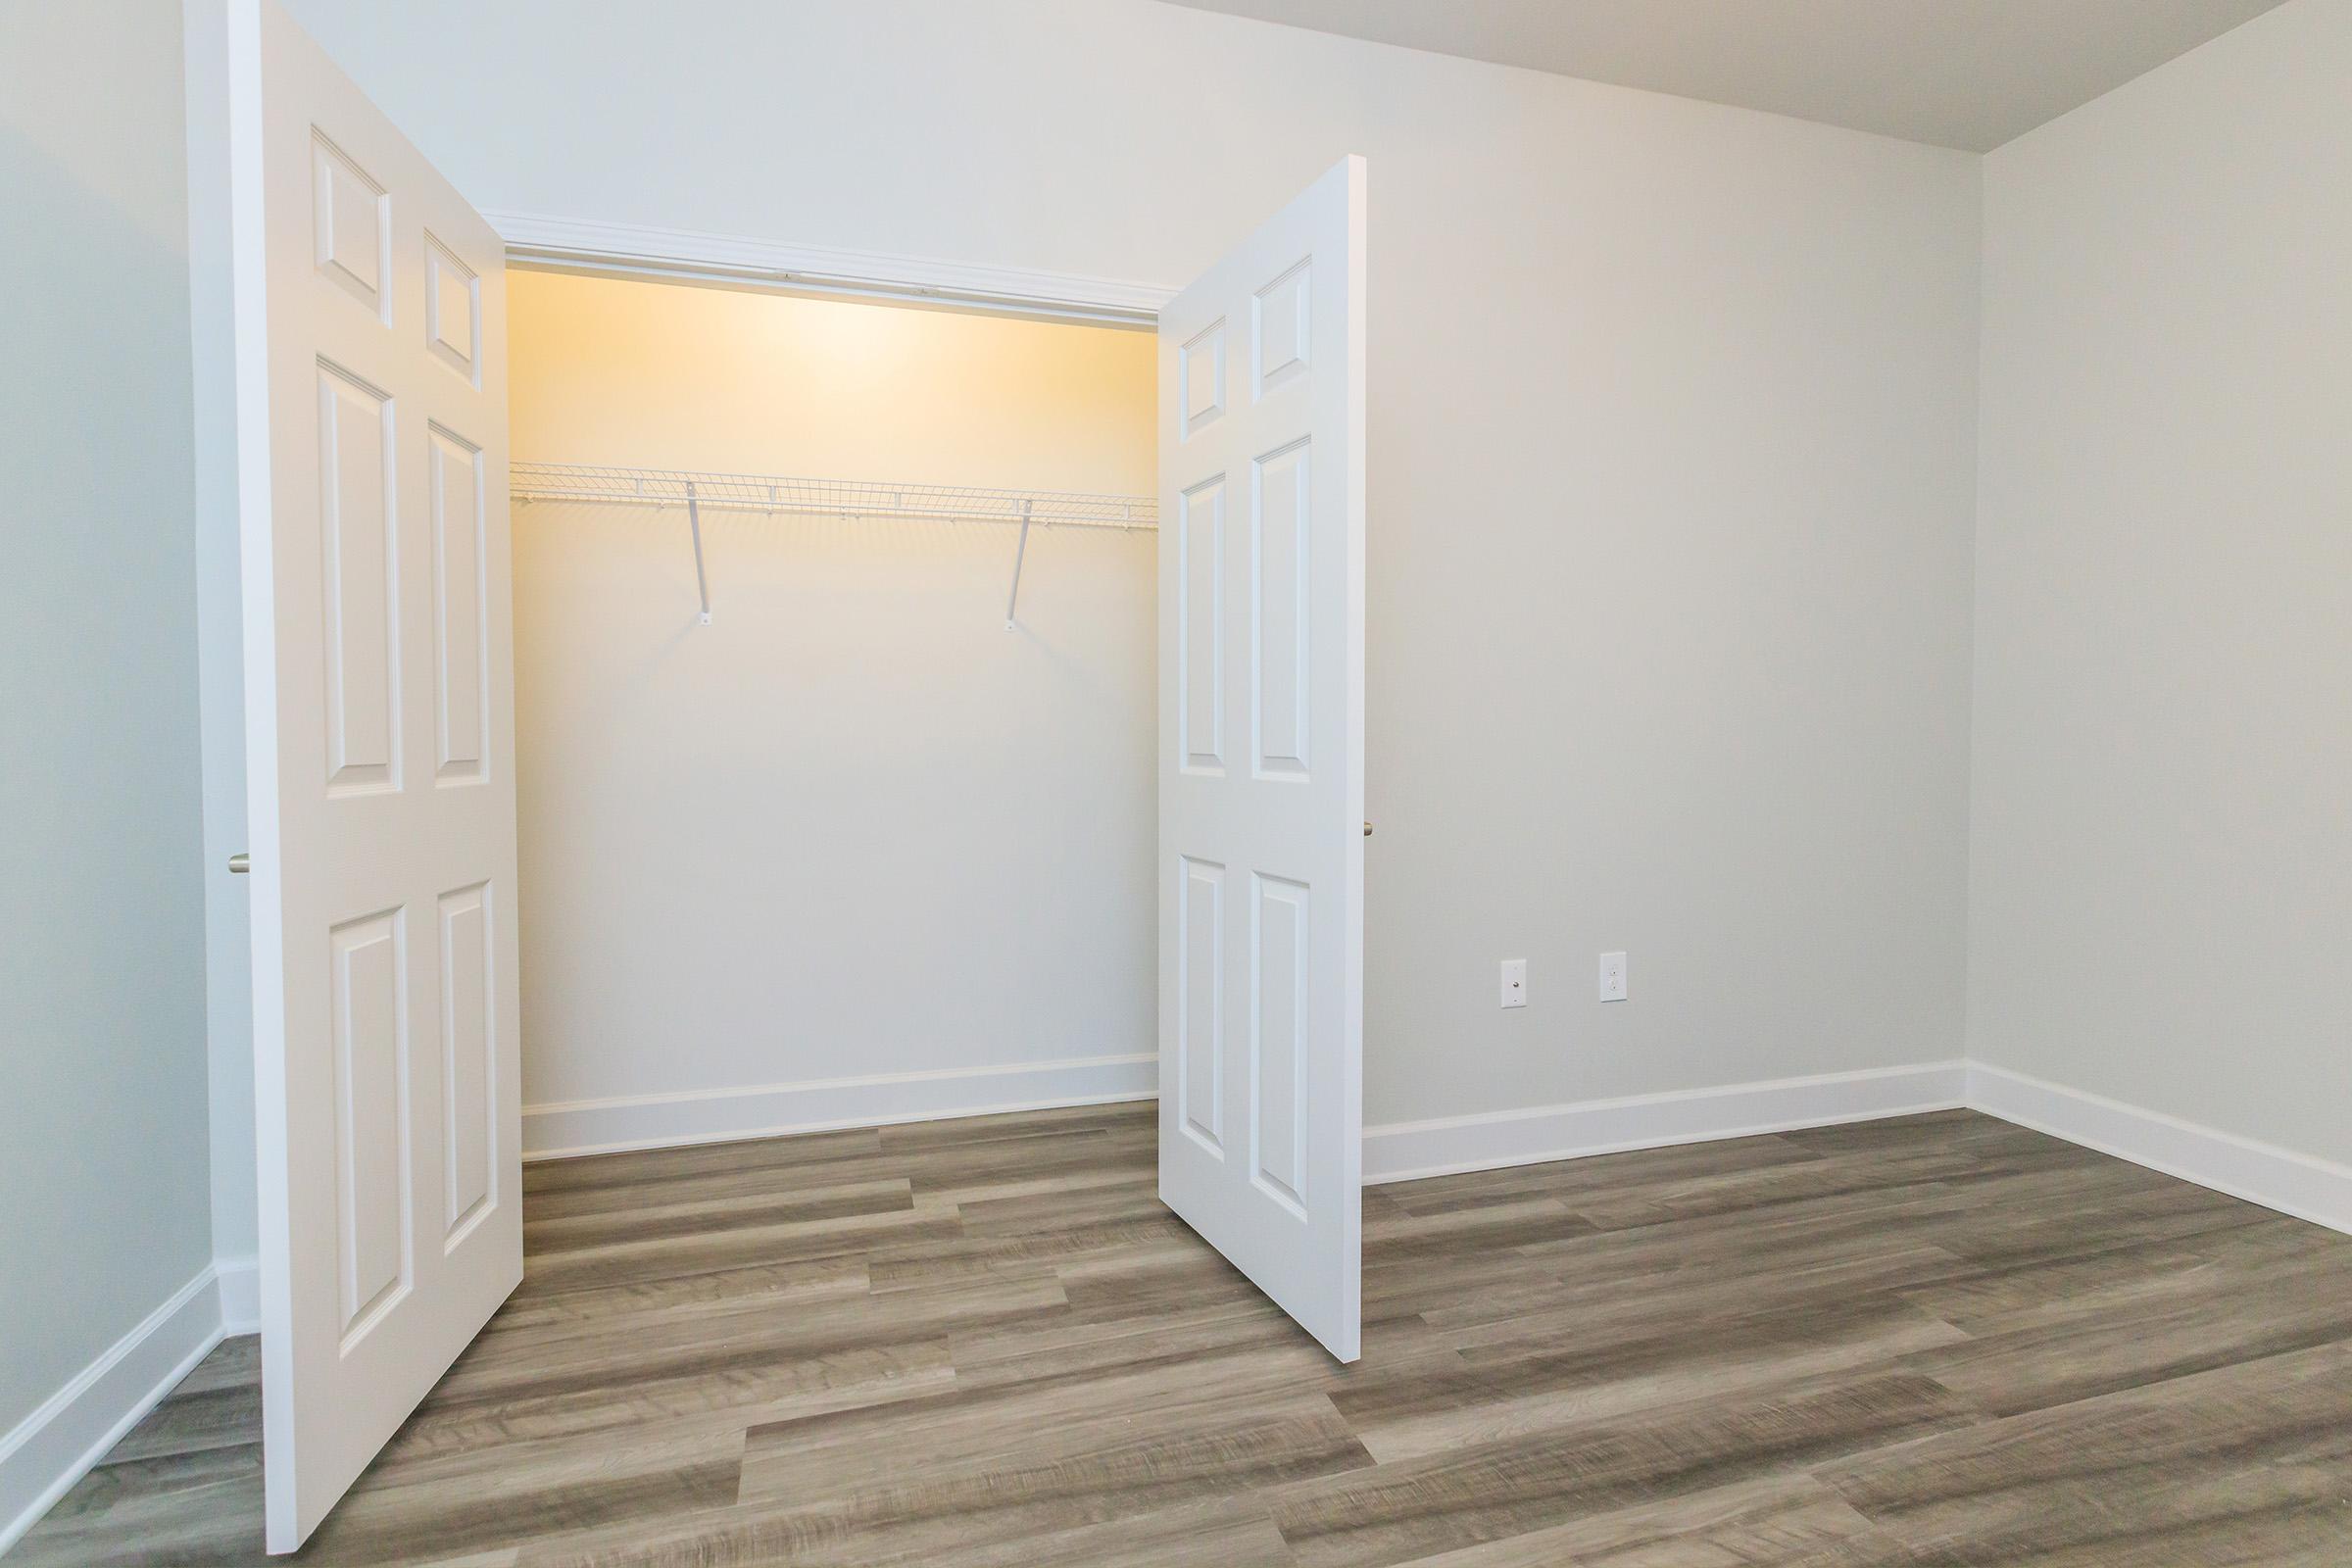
(1262, 741)
(372, 400)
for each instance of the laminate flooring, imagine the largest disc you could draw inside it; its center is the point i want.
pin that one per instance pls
(983, 1343)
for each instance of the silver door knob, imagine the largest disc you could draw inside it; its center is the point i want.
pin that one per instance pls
(1367, 830)
(240, 864)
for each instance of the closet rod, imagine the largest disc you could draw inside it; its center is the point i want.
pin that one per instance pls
(855, 498)
(829, 498)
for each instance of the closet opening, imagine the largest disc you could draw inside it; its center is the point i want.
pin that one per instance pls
(680, 716)
(874, 840)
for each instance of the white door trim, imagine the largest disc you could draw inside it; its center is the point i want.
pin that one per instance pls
(688, 256)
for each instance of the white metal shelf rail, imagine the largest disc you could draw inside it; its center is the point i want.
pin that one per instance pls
(849, 499)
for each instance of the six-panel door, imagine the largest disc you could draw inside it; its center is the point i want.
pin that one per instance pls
(372, 430)
(1262, 744)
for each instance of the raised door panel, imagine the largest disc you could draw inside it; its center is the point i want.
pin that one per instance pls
(461, 642)
(351, 227)
(1201, 378)
(367, 1024)
(1280, 975)
(1200, 625)
(468, 1060)
(1200, 1004)
(358, 531)
(453, 311)
(1281, 315)
(1281, 572)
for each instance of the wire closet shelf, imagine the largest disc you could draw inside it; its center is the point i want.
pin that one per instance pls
(851, 499)
(833, 498)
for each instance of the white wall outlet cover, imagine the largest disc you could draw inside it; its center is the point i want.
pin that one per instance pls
(1612, 978)
(1514, 982)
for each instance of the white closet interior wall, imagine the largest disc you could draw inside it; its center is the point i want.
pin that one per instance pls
(851, 852)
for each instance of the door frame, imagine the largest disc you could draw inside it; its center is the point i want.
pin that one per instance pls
(533, 242)
(723, 261)
(537, 243)
(221, 102)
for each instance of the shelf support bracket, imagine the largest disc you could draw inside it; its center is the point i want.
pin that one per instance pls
(1019, 553)
(693, 522)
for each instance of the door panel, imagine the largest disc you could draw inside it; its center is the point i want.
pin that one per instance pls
(1261, 697)
(378, 682)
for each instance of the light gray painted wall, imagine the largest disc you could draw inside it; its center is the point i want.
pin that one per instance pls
(102, 1021)
(1672, 460)
(2162, 883)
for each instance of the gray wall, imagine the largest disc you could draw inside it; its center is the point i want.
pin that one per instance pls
(2162, 885)
(102, 1010)
(1676, 469)
(1672, 460)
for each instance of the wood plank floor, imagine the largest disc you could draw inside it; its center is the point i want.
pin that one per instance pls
(983, 1343)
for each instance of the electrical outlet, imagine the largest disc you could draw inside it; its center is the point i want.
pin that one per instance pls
(1514, 982)
(1612, 978)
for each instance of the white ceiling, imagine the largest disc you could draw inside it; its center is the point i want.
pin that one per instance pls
(1969, 73)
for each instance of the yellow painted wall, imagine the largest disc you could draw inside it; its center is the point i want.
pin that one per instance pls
(854, 827)
(609, 370)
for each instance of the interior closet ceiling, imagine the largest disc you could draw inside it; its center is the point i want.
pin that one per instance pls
(1966, 74)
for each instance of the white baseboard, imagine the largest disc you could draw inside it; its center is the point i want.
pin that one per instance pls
(1401, 1150)
(57, 1444)
(2300, 1185)
(240, 1282)
(558, 1131)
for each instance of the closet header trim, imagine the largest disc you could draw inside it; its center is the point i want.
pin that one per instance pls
(725, 260)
